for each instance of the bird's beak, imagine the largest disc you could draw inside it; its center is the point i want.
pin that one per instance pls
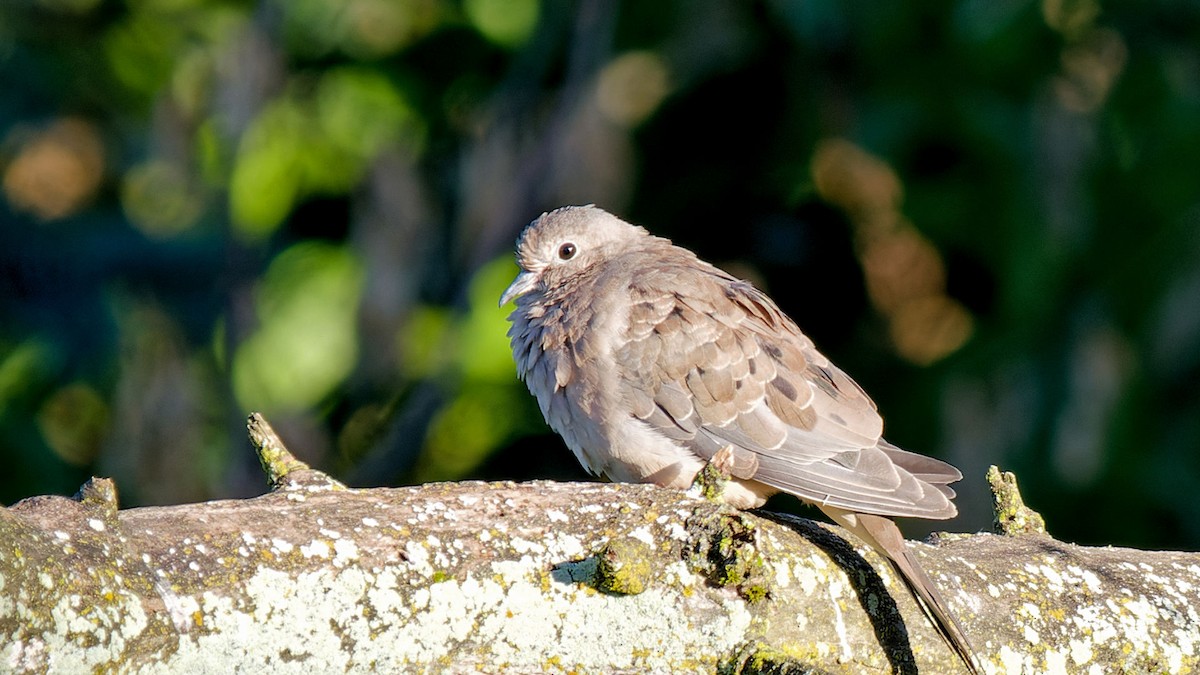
(524, 283)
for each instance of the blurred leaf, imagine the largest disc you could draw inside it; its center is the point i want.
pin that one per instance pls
(507, 23)
(433, 341)
(489, 409)
(486, 354)
(73, 421)
(20, 368)
(307, 342)
(361, 111)
(362, 28)
(427, 342)
(304, 143)
(141, 50)
(212, 157)
(464, 433)
(266, 181)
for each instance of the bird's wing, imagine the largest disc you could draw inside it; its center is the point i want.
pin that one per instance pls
(710, 361)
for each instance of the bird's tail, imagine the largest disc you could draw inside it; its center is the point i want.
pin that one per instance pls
(883, 535)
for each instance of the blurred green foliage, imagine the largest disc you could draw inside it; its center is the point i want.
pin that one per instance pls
(985, 211)
(305, 343)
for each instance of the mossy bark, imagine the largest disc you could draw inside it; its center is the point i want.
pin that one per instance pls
(549, 577)
(512, 577)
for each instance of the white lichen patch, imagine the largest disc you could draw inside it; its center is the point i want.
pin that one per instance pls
(679, 573)
(1105, 624)
(839, 625)
(556, 516)
(567, 546)
(509, 619)
(1054, 580)
(1012, 661)
(523, 546)
(1056, 663)
(96, 524)
(677, 532)
(783, 574)
(811, 574)
(1077, 576)
(1081, 651)
(110, 626)
(643, 535)
(27, 656)
(510, 572)
(315, 549)
(345, 551)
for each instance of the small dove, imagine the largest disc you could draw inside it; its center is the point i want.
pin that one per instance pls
(649, 361)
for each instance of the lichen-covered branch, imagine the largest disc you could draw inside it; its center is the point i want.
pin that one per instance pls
(549, 577)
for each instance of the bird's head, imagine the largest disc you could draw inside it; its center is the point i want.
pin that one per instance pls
(564, 242)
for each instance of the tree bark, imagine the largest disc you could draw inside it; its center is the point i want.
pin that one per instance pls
(549, 577)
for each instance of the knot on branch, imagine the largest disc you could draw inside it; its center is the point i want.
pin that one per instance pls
(624, 566)
(99, 495)
(1010, 515)
(723, 549)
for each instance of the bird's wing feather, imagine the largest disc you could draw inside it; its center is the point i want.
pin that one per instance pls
(710, 361)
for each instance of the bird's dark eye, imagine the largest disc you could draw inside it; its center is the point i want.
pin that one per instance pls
(566, 251)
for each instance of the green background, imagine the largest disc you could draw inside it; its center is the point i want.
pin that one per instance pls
(986, 211)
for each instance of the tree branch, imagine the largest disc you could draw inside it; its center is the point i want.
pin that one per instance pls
(314, 577)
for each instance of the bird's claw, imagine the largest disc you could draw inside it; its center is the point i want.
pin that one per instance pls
(710, 481)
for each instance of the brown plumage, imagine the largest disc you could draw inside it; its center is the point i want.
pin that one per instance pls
(647, 361)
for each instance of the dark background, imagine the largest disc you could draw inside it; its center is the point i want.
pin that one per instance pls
(986, 211)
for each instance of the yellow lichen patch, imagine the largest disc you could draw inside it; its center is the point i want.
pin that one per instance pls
(624, 566)
(1011, 516)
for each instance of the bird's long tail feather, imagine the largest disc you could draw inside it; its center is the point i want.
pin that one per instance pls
(883, 535)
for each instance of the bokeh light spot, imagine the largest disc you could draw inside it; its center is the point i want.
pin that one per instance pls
(631, 87)
(904, 272)
(930, 328)
(507, 23)
(159, 199)
(56, 172)
(73, 421)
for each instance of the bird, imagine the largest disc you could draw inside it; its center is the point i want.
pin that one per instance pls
(648, 362)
